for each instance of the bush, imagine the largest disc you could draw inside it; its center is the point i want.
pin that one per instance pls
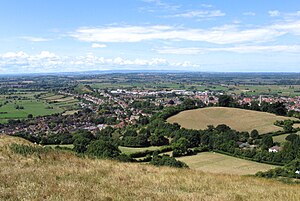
(124, 158)
(103, 149)
(26, 150)
(166, 160)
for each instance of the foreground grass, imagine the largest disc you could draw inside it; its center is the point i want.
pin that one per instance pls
(220, 163)
(63, 176)
(238, 119)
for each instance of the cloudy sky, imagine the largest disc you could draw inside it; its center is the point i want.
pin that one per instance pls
(193, 35)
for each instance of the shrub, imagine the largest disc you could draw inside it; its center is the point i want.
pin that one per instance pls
(103, 149)
(166, 160)
(26, 150)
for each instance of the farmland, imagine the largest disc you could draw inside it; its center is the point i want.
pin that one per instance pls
(219, 163)
(130, 150)
(19, 105)
(281, 138)
(66, 103)
(238, 119)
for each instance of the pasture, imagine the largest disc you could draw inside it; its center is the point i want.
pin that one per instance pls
(219, 163)
(66, 103)
(281, 138)
(238, 119)
(130, 150)
(19, 106)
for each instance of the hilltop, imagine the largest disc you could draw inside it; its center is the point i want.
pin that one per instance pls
(238, 119)
(60, 175)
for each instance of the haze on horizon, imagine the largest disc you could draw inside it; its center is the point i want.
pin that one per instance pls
(219, 36)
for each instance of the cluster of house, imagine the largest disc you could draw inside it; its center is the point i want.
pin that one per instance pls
(292, 103)
(246, 145)
(142, 93)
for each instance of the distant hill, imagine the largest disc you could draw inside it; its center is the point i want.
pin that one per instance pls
(238, 119)
(60, 175)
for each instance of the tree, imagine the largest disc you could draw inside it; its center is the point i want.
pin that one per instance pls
(222, 128)
(158, 140)
(254, 134)
(84, 134)
(80, 144)
(292, 137)
(167, 161)
(288, 126)
(267, 141)
(180, 147)
(103, 149)
(188, 103)
(29, 116)
(225, 101)
(254, 106)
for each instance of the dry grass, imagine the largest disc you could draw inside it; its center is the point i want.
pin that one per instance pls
(238, 119)
(219, 163)
(296, 126)
(63, 176)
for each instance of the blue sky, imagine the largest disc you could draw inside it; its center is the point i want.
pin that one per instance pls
(194, 35)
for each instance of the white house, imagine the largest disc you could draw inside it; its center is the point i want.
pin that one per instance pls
(275, 149)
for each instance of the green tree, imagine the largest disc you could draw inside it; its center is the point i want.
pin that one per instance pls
(80, 144)
(254, 134)
(103, 149)
(225, 101)
(167, 161)
(180, 147)
(267, 141)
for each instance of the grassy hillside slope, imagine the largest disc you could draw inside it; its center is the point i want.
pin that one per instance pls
(63, 176)
(238, 119)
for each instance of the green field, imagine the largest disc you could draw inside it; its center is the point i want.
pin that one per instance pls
(66, 103)
(281, 138)
(130, 150)
(219, 163)
(47, 104)
(29, 104)
(283, 90)
(238, 119)
(61, 145)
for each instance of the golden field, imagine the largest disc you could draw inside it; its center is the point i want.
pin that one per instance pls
(238, 119)
(220, 163)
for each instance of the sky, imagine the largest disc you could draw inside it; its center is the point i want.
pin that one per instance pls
(191, 35)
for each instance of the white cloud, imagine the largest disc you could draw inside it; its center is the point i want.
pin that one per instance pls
(97, 45)
(218, 35)
(227, 34)
(295, 14)
(235, 49)
(200, 14)
(274, 13)
(12, 55)
(46, 61)
(35, 39)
